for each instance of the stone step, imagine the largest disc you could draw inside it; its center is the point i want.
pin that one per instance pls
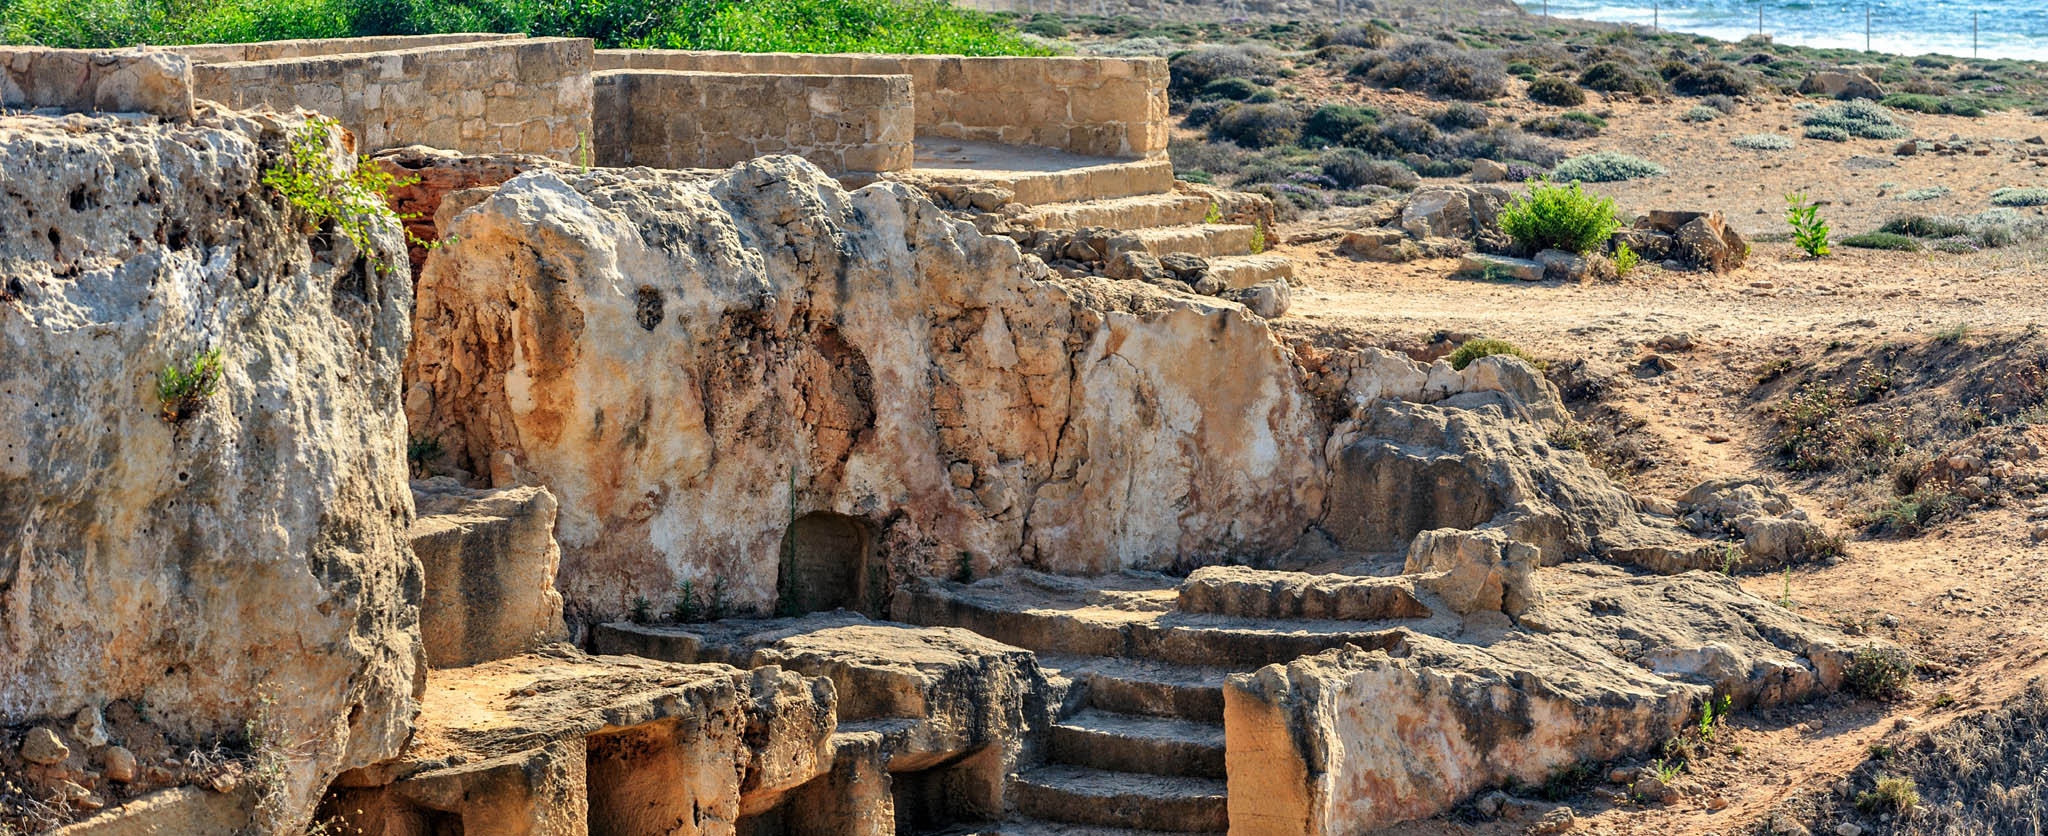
(1103, 181)
(1184, 638)
(1246, 270)
(1079, 795)
(1205, 240)
(1038, 827)
(1108, 740)
(1176, 209)
(1143, 686)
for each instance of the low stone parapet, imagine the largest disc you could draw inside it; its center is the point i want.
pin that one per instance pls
(671, 119)
(315, 47)
(523, 96)
(83, 80)
(1111, 107)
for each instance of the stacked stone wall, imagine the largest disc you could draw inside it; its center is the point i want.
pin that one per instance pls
(1112, 107)
(665, 119)
(80, 80)
(527, 95)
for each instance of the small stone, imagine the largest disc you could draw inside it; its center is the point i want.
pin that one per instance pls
(119, 763)
(1848, 829)
(962, 474)
(1488, 171)
(1560, 820)
(42, 746)
(1680, 341)
(89, 728)
(1717, 802)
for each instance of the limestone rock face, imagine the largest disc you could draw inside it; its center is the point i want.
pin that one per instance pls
(489, 560)
(253, 552)
(695, 367)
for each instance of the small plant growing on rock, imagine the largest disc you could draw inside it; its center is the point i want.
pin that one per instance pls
(1475, 349)
(420, 452)
(1809, 231)
(355, 202)
(182, 388)
(686, 610)
(1558, 217)
(641, 612)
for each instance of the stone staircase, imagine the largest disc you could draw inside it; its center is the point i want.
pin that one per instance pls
(1137, 748)
(1064, 194)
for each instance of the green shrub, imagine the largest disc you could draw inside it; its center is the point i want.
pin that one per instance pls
(1046, 27)
(1329, 124)
(182, 388)
(1761, 142)
(1882, 241)
(1259, 125)
(1552, 90)
(1523, 70)
(1868, 120)
(1928, 193)
(1351, 168)
(2027, 196)
(1234, 89)
(1917, 102)
(1893, 794)
(1561, 217)
(355, 202)
(1461, 116)
(1605, 167)
(1369, 36)
(1438, 68)
(1575, 124)
(1191, 71)
(1880, 673)
(1625, 260)
(1701, 113)
(1475, 349)
(1398, 135)
(1809, 231)
(1611, 77)
(1710, 79)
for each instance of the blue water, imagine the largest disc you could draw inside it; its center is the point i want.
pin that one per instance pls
(2005, 28)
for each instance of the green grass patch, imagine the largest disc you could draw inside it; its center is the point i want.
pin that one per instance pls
(1882, 241)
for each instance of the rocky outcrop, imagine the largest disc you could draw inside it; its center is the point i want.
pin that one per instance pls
(1350, 740)
(1838, 84)
(488, 559)
(233, 555)
(1773, 531)
(691, 366)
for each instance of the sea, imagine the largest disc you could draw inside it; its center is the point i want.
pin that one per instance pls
(1984, 28)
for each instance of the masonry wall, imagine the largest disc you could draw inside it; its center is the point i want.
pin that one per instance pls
(530, 95)
(80, 80)
(316, 47)
(666, 119)
(1098, 106)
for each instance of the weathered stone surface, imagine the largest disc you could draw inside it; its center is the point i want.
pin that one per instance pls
(1269, 300)
(1476, 571)
(92, 81)
(41, 746)
(1250, 593)
(1773, 530)
(1488, 264)
(1840, 85)
(536, 792)
(175, 563)
(1562, 266)
(1488, 171)
(864, 349)
(1379, 244)
(1453, 211)
(488, 559)
(1349, 741)
(435, 174)
(178, 811)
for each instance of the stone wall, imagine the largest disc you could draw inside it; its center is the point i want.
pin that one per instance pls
(1099, 106)
(125, 81)
(512, 96)
(315, 47)
(670, 119)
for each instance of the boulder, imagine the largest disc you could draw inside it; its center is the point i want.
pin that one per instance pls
(1379, 244)
(236, 557)
(1708, 242)
(1562, 266)
(1268, 299)
(1488, 171)
(1136, 265)
(1773, 531)
(844, 360)
(1837, 84)
(1185, 266)
(1476, 571)
(489, 559)
(1508, 266)
(1452, 211)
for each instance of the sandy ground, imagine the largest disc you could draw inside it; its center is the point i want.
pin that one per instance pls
(1966, 596)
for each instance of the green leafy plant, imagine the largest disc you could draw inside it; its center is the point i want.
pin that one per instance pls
(1475, 349)
(182, 388)
(1214, 215)
(1809, 231)
(1625, 260)
(1785, 594)
(641, 612)
(1559, 217)
(1953, 334)
(686, 610)
(1258, 238)
(356, 202)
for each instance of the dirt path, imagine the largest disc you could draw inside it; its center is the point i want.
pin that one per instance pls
(1967, 597)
